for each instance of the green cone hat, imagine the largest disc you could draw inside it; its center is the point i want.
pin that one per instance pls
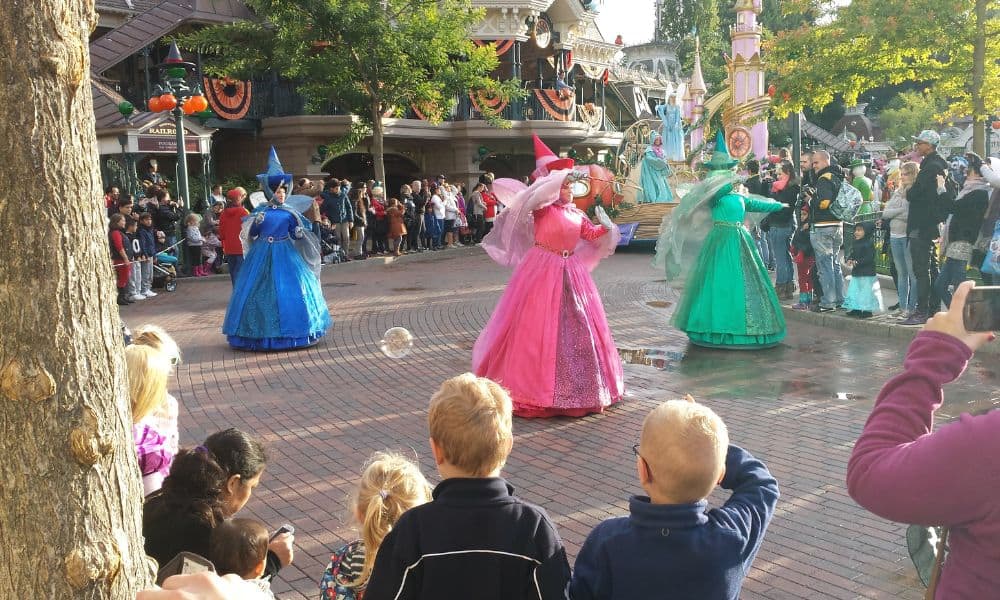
(721, 160)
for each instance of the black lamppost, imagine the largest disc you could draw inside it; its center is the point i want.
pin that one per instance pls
(176, 95)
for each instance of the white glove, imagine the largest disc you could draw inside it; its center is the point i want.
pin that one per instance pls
(259, 218)
(300, 233)
(603, 218)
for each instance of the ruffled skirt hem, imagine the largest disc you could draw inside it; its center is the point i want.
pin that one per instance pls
(269, 344)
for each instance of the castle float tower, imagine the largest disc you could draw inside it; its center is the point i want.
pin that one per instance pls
(694, 100)
(746, 116)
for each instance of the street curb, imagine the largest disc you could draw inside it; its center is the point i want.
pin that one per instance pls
(839, 321)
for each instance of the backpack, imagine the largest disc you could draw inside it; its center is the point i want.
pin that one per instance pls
(845, 206)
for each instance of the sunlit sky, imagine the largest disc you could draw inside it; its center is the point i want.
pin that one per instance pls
(633, 19)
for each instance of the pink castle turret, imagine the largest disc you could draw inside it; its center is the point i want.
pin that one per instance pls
(746, 117)
(695, 104)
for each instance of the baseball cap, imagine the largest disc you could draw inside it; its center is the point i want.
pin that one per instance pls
(931, 137)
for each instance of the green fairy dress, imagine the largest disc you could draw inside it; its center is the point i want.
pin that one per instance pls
(729, 301)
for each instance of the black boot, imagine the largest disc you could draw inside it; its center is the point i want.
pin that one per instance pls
(122, 300)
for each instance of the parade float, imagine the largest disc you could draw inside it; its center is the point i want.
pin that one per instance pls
(744, 104)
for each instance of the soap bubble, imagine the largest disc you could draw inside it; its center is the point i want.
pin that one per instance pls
(396, 342)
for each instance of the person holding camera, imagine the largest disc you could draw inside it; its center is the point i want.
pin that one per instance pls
(826, 231)
(167, 215)
(903, 470)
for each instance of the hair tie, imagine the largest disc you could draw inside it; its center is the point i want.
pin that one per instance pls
(201, 449)
(384, 494)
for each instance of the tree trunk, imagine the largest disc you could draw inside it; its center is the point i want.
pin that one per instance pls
(978, 80)
(70, 489)
(378, 144)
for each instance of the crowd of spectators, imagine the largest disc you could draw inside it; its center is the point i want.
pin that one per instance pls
(152, 234)
(933, 220)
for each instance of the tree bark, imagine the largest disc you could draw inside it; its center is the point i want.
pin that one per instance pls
(70, 489)
(978, 80)
(378, 143)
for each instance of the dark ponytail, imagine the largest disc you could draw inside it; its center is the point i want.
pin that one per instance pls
(237, 453)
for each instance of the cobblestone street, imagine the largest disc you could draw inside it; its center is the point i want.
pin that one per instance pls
(323, 410)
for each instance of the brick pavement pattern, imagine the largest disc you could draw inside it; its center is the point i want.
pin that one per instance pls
(322, 411)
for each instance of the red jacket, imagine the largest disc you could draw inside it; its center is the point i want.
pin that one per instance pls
(230, 222)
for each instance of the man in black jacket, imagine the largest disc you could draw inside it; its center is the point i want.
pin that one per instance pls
(925, 214)
(167, 214)
(826, 232)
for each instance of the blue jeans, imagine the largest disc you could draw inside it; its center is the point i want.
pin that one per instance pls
(952, 274)
(235, 261)
(765, 252)
(906, 280)
(779, 238)
(826, 242)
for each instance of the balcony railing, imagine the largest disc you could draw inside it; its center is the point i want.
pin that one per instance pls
(279, 98)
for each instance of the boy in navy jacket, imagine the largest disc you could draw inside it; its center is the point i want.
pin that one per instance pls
(672, 546)
(475, 539)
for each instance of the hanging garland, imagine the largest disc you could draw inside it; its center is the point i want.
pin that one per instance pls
(559, 108)
(502, 46)
(228, 98)
(484, 98)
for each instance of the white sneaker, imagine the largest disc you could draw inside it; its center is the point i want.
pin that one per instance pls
(150, 294)
(136, 297)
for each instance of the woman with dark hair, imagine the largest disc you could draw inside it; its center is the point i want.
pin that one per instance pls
(781, 225)
(962, 228)
(205, 486)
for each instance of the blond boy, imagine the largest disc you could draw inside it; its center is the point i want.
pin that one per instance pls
(475, 539)
(671, 546)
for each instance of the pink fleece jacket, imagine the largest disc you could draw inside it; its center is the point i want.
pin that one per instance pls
(901, 471)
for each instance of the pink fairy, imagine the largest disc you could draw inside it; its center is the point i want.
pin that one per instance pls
(548, 341)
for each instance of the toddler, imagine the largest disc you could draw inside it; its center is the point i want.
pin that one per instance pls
(239, 547)
(864, 296)
(802, 255)
(148, 370)
(671, 540)
(390, 485)
(164, 418)
(210, 250)
(193, 242)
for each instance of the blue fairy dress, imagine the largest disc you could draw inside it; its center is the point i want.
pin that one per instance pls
(277, 302)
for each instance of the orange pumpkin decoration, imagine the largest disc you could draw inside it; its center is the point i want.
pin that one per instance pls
(188, 108)
(600, 181)
(198, 103)
(168, 102)
(154, 104)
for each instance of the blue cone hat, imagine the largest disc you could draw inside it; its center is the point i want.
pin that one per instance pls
(275, 175)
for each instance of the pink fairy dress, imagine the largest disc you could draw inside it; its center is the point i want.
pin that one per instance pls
(548, 341)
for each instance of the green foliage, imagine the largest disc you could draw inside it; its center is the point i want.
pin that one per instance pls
(711, 20)
(368, 57)
(871, 43)
(911, 112)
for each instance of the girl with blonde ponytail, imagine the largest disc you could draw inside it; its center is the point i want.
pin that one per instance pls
(390, 485)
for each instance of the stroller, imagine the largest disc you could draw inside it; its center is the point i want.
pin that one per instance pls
(165, 269)
(333, 252)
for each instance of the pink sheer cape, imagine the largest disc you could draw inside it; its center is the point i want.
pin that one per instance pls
(513, 233)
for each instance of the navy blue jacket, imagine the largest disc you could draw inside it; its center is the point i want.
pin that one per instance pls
(474, 540)
(337, 207)
(680, 551)
(147, 240)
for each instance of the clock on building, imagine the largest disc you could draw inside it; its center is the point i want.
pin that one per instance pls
(543, 31)
(739, 142)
